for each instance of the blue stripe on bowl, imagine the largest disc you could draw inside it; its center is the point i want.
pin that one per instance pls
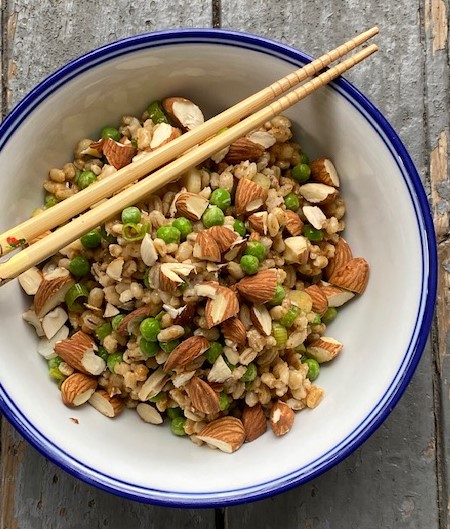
(425, 311)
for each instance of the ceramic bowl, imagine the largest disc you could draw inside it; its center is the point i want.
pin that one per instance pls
(388, 222)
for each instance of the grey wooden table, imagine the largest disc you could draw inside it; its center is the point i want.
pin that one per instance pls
(399, 477)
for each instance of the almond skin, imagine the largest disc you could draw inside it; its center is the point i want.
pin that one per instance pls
(324, 172)
(319, 300)
(206, 248)
(342, 255)
(281, 418)
(225, 305)
(188, 350)
(132, 320)
(226, 434)
(223, 237)
(203, 397)
(185, 315)
(191, 205)
(254, 421)
(259, 288)
(294, 223)
(105, 404)
(336, 296)
(249, 196)
(234, 330)
(324, 349)
(354, 276)
(77, 389)
(117, 154)
(78, 352)
(50, 293)
(244, 149)
(258, 221)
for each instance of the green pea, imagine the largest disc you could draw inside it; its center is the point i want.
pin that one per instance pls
(102, 331)
(239, 227)
(249, 264)
(116, 321)
(291, 202)
(113, 360)
(79, 266)
(157, 397)
(149, 348)
(329, 315)
(317, 320)
(223, 401)
(213, 216)
(85, 179)
(91, 239)
(183, 225)
(177, 426)
(279, 296)
(168, 234)
(156, 113)
(220, 198)
(168, 347)
(103, 353)
(301, 172)
(214, 351)
(131, 215)
(313, 368)
(54, 362)
(50, 201)
(304, 158)
(172, 413)
(250, 373)
(257, 249)
(312, 233)
(110, 132)
(149, 328)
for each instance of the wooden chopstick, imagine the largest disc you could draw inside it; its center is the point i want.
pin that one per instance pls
(69, 208)
(64, 235)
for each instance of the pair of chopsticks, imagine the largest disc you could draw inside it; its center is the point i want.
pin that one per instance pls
(248, 115)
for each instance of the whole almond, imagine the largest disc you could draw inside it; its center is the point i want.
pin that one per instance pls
(118, 154)
(203, 397)
(206, 247)
(281, 418)
(77, 389)
(226, 434)
(50, 293)
(319, 300)
(259, 288)
(223, 236)
(354, 276)
(323, 171)
(233, 329)
(254, 421)
(223, 306)
(244, 149)
(191, 205)
(342, 255)
(336, 296)
(188, 350)
(105, 404)
(294, 223)
(78, 352)
(249, 196)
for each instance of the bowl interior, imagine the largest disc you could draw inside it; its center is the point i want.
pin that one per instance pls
(378, 329)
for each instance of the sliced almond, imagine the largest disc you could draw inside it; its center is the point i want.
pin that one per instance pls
(254, 421)
(294, 223)
(206, 248)
(266, 139)
(234, 330)
(188, 350)
(323, 171)
(77, 389)
(296, 250)
(281, 418)
(249, 196)
(342, 255)
(110, 311)
(259, 222)
(51, 293)
(183, 112)
(148, 413)
(78, 352)
(354, 276)
(46, 347)
(170, 275)
(30, 280)
(106, 405)
(131, 322)
(30, 317)
(336, 296)
(226, 434)
(153, 385)
(318, 193)
(163, 133)
(115, 268)
(244, 149)
(319, 300)
(191, 205)
(259, 288)
(149, 255)
(261, 319)
(224, 305)
(118, 154)
(235, 249)
(224, 237)
(324, 349)
(185, 314)
(220, 372)
(203, 397)
(53, 321)
(315, 216)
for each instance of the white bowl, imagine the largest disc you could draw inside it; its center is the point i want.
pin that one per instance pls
(384, 331)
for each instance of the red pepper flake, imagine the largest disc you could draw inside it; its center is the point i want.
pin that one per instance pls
(15, 243)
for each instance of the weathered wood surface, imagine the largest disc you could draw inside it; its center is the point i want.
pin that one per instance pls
(399, 477)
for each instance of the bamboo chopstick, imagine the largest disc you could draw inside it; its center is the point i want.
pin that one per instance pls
(49, 245)
(69, 208)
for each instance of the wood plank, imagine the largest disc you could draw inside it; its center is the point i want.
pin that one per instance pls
(38, 38)
(391, 480)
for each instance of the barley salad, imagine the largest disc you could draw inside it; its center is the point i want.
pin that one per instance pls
(206, 305)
